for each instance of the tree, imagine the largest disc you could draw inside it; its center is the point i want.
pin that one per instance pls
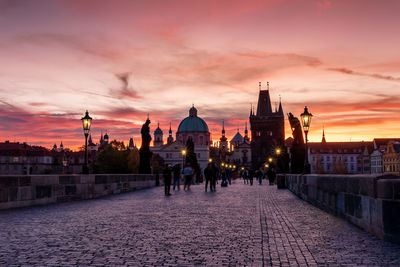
(115, 158)
(133, 160)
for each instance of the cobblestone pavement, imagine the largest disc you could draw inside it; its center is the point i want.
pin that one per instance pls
(239, 225)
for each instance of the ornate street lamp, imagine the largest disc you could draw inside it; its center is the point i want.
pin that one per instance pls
(210, 160)
(183, 157)
(278, 152)
(86, 123)
(306, 121)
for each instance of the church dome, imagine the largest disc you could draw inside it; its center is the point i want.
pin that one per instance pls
(158, 130)
(237, 138)
(193, 123)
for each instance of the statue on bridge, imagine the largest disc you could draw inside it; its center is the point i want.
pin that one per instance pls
(191, 158)
(297, 149)
(145, 153)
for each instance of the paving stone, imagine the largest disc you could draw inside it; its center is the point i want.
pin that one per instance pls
(240, 225)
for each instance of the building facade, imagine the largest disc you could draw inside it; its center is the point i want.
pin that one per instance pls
(267, 129)
(192, 127)
(391, 159)
(340, 157)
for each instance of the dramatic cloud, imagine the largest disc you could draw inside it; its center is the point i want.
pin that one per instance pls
(126, 91)
(124, 59)
(373, 75)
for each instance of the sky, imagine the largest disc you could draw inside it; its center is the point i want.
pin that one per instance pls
(122, 60)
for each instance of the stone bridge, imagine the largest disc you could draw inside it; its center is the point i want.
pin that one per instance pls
(240, 225)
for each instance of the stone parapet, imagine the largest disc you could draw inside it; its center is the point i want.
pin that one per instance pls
(370, 202)
(28, 190)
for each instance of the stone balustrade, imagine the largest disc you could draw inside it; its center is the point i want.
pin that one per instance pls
(27, 190)
(370, 202)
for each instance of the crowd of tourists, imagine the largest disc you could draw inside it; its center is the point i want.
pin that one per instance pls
(212, 174)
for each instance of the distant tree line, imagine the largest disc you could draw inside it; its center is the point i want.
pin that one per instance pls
(117, 158)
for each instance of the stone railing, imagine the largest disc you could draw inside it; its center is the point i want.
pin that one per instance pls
(27, 190)
(372, 203)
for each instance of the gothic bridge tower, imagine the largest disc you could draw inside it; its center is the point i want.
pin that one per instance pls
(267, 129)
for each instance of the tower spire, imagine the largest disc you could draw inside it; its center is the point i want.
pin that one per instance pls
(267, 85)
(264, 104)
(280, 109)
(259, 86)
(323, 135)
(223, 128)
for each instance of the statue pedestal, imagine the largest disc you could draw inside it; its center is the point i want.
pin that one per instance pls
(145, 160)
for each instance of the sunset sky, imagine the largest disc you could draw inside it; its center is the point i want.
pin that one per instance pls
(123, 59)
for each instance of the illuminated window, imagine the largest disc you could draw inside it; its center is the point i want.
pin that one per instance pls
(15, 159)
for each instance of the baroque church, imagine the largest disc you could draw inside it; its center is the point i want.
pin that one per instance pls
(267, 129)
(192, 127)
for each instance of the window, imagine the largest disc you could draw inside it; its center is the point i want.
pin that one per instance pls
(15, 159)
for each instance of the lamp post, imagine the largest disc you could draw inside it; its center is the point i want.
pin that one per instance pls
(278, 152)
(86, 123)
(306, 121)
(183, 157)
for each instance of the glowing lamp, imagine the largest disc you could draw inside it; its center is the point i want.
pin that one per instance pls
(86, 123)
(306, 119)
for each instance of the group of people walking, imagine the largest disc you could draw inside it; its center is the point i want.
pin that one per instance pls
(211, 174)
(249, 175)
(187, 172)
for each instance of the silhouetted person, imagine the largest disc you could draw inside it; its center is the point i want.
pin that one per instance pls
(251, 176)
(208, 174)
(245, 176)
(214, 177)
(187, 173)
(177, 176)
(224, 182)
(259, 176)
(229, 175)
(167, 179)
(271, 176)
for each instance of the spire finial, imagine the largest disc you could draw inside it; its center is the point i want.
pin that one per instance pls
(267, 85)
(147, 115)
(259, 86)
(323, 134)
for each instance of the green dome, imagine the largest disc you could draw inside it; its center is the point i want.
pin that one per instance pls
(158, 131)
(193, 123)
